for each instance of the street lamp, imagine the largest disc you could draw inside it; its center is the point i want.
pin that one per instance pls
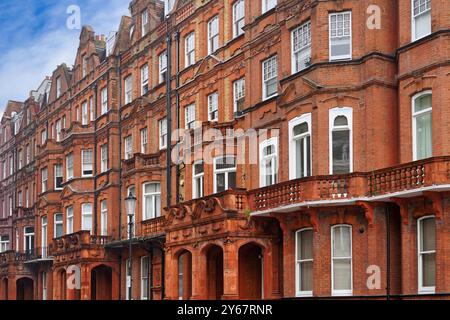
(130, 206)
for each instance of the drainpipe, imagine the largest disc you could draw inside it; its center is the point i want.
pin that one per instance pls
(119, 112)
(388, 252)
(150, 267)
(95, 162)
(177, 102)
(169, 120)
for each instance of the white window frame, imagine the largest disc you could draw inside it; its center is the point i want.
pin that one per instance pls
(213, 34)
(189, 44)
(128, 144)
(266, 78)
(226, 171)
(422, 289)
(414, 16)
(69, 166)
(144, 79)
(87, 166)
(86, 215)
(58, 87)
(84, 66)
(237, 19)
(104, 98)
(28, 237)
(267, 5)
(195, 178)
(238, 92)
(58, 130)
(4, 243)
(264, 159)
(330, 37)
(292, 145)
(104, 158)
(299, 261)
(69, 220)
(128, 288)
(163, 134)
(333, 114)
(154, 197)
(44, 285)
(44, 180)
(84, 115)
(44, 236)
(303, 51)
(144, 22)
(189, 116)
(415, 115)
(104, 218)
(91, 108)
(128, 86)
(61, 175)
(145, 277)
(57, 223)
(213, 107)
(341, 292)
(144, 140)
(162, 66)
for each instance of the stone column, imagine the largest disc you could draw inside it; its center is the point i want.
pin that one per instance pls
(230, 271)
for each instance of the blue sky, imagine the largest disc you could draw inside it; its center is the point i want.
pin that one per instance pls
(34, 39)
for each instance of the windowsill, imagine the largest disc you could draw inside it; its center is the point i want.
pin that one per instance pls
(306, 294)
(342, 294)
(427, 291)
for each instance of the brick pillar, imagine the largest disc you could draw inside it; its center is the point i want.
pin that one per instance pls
(230, 271)
(409, 260)
(443, 253)
(85, 282)
(171, 274)
(198, 276)
(12, 288)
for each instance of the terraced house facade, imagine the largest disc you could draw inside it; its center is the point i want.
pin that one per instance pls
(348, 194)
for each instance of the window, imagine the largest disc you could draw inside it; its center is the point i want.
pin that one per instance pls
(27, 154)
(58, 128)
(44, 179)
(43, 136)
(87, 162)
(268, 5)
(224, 173)
(19, 199)
(421, 18)
(426, 235)
(11, 206)
(190, 116)
(268, 169)
(69, 166)
(104, 218)
(144, 22)
(341, 149)
(91, 108)
(270, 82)
(163, 133)
(58, 172)
(238, 96)
(44, 285)
(190, 49)
(151, 201)
(301, 47)
(422, 126)
(145, 272)
(128, 292)
(69, 220)
(28, 238)
(213, 35)
(162, 67)
(104, 158)
(58, 87)
(144, 140)
(128, 89)
(27, 198)
(300, 147)
(340, 35)
(86, 217)
(58, 225)
(104, 98)
(238, 18)
(197, 180)
(341, 262)
(128, 147)
(44, 236)
(144, 79)
(84, 66)
(131, 191)
(168, 6)
(11, 165)
(304, 262)
(4, 243)
(20, 156)
(84, 114)
(213, 107)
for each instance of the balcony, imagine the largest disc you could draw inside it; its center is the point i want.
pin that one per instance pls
(406, 180)
(11, 256)
(152, 228)
(140, 162)
(76, 242)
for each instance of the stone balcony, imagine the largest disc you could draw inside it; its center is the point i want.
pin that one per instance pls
(148, 229)
(79, 244)
(141, 162)
(402, 181)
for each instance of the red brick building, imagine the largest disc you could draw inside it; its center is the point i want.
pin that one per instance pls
(343, 106)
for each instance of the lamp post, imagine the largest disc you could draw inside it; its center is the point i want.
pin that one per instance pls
(130, 206)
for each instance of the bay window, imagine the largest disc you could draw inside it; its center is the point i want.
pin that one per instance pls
(145, 275)
(84, 114)
(421, 18)
(340, 28)
(44, 236)
(301, 47)
(300, 155)
(151, 201)
(104, 100)
(144, 140)
(341, 140)
(268, 169)
(44, 180)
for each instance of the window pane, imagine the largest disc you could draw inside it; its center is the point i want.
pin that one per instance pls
(220, 180)
(424, 136)
(429, 270)
(341, 151)
(428, 235)
(422, 103)
(341, 121)
(301, 128)
(342, 274)
(305, 242)
(341, 242)
(231, 180)
(306, 276)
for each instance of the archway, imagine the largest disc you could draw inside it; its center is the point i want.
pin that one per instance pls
(214, 272)
(4, 287)
(250, 272)
(63, 285)
(24, 287)
(185, 275)
(101, 283)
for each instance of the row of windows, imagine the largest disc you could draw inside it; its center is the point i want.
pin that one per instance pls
(342, 259)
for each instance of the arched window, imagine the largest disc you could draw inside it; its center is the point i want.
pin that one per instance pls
(341, 260)
(422, 126)
(300, 147)
(341, 148)
(426, 252)
(268, 155)
(304, 262)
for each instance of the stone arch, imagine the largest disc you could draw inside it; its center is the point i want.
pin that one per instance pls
(214, 255)
(62, 284)
(251, 271)
(24, 289)
(4, 289)
(101, 282)
(184, 274)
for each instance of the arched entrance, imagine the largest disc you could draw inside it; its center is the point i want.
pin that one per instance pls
(214, 272)
(4, 287)
(185, 275)
(101, 283)
(62, 285)
(250, 272)
(24, 287)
